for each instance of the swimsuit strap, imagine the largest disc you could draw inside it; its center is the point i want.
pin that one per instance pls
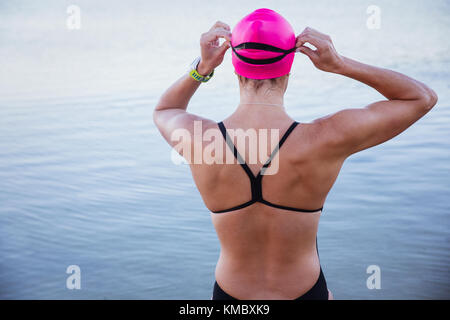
(241, 160)
(256, 181)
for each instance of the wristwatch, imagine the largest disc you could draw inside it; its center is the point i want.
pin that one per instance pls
(194, 73)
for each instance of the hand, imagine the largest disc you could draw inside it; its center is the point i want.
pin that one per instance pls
(325, 58)
(212, 53)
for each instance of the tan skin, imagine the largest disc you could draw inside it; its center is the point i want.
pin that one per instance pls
(270, 253)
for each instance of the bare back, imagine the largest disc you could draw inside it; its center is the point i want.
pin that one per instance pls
(267, 252)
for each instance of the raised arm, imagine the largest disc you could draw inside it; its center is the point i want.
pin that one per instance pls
(170, 113)
(353, 130)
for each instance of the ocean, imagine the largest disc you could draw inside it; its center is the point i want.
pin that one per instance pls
(86, 179)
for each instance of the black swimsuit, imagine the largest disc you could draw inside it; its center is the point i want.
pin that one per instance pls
(319, 290)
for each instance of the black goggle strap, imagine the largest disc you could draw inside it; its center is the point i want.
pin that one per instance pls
(260, 46)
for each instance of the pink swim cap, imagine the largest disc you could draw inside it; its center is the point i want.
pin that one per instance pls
(263, 45)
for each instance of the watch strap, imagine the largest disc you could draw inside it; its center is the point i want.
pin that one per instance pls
(197, 76)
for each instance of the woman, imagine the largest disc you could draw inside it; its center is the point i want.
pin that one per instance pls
(267, 227)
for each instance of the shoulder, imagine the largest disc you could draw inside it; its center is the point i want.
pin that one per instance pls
(174, 122)
(319, 138)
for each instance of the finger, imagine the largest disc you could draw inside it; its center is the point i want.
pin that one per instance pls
(224, 32)
(220, 24)
(225, 46)
(308, 52)
(314, 32)
(315, 41)
(215, 35)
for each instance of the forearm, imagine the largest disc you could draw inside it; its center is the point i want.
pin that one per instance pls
(391, 84)
(178, 94)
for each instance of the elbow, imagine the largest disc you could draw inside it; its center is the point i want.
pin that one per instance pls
(433, 98)
(429, 99)
(156, 112)
(155, 116)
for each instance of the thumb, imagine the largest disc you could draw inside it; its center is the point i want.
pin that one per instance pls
(224, 47)
(308, 52)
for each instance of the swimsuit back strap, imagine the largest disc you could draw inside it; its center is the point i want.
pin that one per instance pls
(277, 148)
(232, 147)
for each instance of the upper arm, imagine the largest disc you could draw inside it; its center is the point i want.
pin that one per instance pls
(353, 130)
(168, 121)
(177, 127)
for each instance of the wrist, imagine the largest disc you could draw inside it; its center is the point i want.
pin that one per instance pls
(342, 67)
(204, 70)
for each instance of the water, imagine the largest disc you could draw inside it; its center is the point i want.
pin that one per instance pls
(85, 178)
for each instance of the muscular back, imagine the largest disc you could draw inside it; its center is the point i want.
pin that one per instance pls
(267, 248)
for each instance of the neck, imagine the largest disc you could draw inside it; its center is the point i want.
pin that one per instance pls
(262, 107)
(266, 98)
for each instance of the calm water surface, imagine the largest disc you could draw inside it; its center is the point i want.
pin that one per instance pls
(85, 178)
